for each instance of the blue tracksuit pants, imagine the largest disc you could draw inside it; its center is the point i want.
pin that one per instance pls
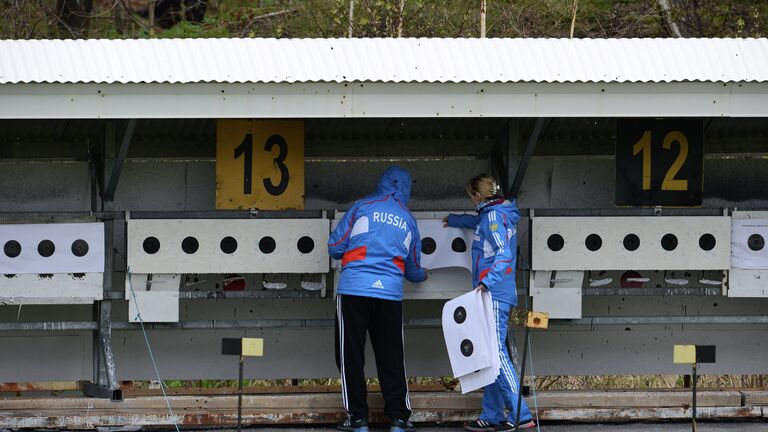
(503, 393)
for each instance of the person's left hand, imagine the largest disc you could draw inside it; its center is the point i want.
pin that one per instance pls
(480, 288)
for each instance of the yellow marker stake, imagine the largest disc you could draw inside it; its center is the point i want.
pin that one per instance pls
(253, 347)
(684, 354)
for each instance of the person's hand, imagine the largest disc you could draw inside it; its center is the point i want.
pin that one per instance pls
(426, 274)
(445, 222)
(480, 288)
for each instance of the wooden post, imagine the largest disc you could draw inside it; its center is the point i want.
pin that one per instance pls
(240, 395)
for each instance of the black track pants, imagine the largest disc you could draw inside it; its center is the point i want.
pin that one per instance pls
(383, 320)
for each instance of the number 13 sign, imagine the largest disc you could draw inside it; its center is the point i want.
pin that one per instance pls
(260, 164)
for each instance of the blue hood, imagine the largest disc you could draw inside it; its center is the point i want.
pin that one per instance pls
(395, 180)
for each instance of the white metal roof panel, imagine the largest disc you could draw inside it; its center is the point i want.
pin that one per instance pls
(383, 60)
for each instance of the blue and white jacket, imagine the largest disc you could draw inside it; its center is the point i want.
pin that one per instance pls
(378, 241)
(494, 247)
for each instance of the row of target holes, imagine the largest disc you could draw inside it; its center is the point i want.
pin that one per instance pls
(46, 248)
(228, 245)
(429, 246)
(466, 347)
(631, 242)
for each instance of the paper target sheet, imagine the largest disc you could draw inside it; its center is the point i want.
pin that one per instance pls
(469, 332)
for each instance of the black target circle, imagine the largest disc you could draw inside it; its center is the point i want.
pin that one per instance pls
(593, 242)
(631, 242)
(428, 246)
(228, 245)
(151, 245)
(12, 248)
(46, 248)
(267, 245)
(467, 347)
(80, 248)
(458, 245)
(707, 242)
(555, 242)
(756, 242)
(190, 245)
(305, 244)
(460, 315)
(669, 242)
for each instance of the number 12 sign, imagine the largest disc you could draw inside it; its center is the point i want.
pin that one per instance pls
(260, 164)
(659, 162)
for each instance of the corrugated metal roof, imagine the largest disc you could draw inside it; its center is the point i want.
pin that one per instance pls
(383, 60)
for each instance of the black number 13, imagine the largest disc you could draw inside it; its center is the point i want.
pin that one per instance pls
(246, 148)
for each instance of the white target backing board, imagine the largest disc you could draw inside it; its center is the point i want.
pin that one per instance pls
(557, 293)
(156, 298)
(748, 283)
(56, 288)
(228, 245)
(52, 248)
(467, 322)
(637, 243)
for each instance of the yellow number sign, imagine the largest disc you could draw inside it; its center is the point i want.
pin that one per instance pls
(260, 164)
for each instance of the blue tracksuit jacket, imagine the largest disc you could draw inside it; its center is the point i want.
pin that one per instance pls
(494, 247)
(378, 241)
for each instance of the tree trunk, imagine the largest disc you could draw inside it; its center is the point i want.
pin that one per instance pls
(666, 15)
(573, 20)
(351, 16)
(482, 18)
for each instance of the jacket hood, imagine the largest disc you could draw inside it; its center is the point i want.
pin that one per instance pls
(397, 181)
(507, 207)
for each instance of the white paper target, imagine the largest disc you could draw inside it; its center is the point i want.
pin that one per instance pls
(465, 329)
(748, 244)
(483, 377)
(443, 247)
(52, 248)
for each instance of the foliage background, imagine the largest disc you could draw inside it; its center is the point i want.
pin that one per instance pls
(41, 19)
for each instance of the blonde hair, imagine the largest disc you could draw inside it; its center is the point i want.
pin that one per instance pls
(483, 185)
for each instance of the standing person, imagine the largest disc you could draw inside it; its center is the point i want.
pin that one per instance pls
(494, 259)
(377, 242)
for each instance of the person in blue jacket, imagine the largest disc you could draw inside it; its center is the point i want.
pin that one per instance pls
(494, 248)
(378, 243)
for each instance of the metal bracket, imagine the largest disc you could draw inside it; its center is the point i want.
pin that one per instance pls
(510, 165)
(106, 385)
(108, 193)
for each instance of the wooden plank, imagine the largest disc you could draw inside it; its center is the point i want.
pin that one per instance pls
(755, 397)
(438, 400)
(646, 414)
(46, 419)
(413, 388)
(636, 399)
(39, 386)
